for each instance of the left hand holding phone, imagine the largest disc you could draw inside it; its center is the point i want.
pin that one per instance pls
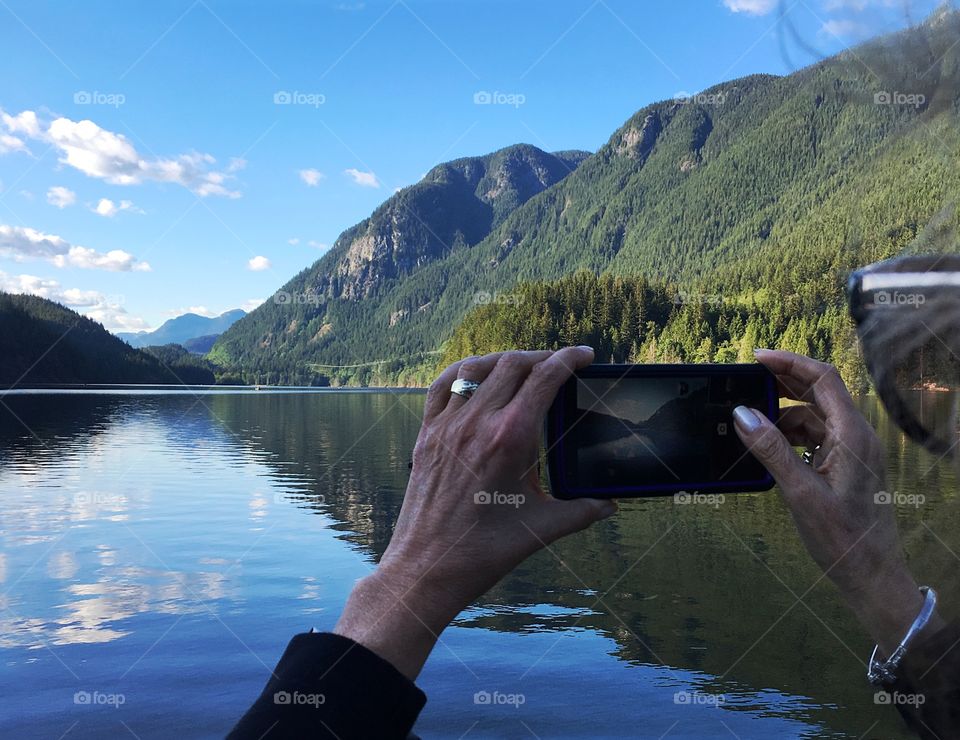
(838, 502)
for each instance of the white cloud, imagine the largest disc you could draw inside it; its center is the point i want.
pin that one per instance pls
(258, 264)
(858, 6)
(61, 197)
(367, 179)
(23, 123)
(311, 177)
(751, 7)
(10, 143)
(247, 306)
(108, 310)
(107, 208)
(845, 28)
(23, 244)
(310, 243)
(115, 318)
(199, 310)
(108, 156)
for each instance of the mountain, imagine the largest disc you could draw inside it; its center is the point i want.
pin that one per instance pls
(200, 345)
(183, 364)
(182, 329)
(760, 192)
(452, 209)
(42, 342)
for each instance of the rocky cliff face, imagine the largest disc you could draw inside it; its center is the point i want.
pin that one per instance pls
(454, 206)
(638, 138)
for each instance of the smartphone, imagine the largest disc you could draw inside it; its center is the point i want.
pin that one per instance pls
(617, 431)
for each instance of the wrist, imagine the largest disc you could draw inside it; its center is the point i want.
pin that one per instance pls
(425, 590)
(392, 618)
(887, 606)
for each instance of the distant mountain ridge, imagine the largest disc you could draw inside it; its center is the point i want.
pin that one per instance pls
(43, 342)
(183, 329)
(763, 190)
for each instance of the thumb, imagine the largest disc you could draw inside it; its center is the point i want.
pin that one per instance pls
(558, 518)
(767, 443)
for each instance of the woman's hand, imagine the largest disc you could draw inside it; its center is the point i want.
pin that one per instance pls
(474, 508)
(844, 516)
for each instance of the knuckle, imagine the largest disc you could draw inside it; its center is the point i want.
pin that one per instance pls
(432, 405)
(824, 369)
(440, 380)
(422, 450)
(767, 446)
(831, 375)
(542, 372)
(508, 431)
(503, 437)
(469, 368)
(433, 393)
(449, 368)
(511, 361)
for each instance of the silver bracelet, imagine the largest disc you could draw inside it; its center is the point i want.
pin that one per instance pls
(884, 672)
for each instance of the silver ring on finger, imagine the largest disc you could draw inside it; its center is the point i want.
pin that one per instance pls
(465, 388)
(808, 455)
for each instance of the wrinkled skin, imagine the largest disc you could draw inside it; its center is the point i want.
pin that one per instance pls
(839, 504)
(450, 546)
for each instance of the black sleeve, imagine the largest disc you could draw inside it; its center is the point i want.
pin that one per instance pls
(927, 691)
(328, 686)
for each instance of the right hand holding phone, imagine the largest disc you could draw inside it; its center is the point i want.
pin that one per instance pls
(838, 502)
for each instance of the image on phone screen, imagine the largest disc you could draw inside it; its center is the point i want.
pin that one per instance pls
(658, 433)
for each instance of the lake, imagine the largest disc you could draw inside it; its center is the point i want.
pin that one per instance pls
(158, 550)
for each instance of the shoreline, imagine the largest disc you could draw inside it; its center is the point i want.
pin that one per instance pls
(131, 388)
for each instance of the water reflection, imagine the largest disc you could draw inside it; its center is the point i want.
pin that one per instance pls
(122, 517)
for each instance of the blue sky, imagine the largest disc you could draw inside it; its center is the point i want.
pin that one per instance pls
(196, 154)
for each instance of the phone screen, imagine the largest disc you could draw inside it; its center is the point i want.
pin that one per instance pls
(654, 429)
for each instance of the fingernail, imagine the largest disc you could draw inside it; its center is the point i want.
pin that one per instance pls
(607, 509)
(746, 419)
(585, 346)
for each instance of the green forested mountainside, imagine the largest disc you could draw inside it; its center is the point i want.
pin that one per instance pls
(628, 319)
(200, 345)
(764, 191)
(187, 367)
(42, 342)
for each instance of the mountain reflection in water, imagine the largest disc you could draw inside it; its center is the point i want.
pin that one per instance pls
(153, 545)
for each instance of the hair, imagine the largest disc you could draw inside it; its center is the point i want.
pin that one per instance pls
(917, 342)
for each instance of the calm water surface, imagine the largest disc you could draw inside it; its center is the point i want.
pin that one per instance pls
(157, 552)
